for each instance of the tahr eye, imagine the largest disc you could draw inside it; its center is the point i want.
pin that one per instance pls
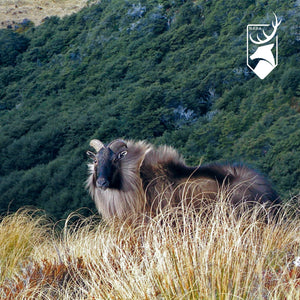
(122, 154)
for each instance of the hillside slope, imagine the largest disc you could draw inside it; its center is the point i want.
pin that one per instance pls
(170, 72)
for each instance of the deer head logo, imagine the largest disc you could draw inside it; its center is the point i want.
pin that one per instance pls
(261, 51)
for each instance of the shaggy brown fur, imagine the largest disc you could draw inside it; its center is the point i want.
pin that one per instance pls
(131, 178)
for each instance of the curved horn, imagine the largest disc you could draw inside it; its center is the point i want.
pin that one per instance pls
(96, 144)
(116, 144)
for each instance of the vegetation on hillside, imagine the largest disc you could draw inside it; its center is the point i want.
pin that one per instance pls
(171, 72)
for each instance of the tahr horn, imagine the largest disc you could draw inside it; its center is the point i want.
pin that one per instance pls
(96, 144)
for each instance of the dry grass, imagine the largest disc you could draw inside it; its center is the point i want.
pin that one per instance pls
(20, 234)
(15, 11)
(209, 255)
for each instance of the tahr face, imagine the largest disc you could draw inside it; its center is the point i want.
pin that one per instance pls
(107, 165)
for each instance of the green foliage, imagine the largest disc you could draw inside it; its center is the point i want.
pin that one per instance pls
(11, 45)
(171, 72)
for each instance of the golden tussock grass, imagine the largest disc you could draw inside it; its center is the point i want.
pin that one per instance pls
(213, 254)
(20, 234)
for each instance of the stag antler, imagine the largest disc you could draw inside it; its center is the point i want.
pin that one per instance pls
(268, 37)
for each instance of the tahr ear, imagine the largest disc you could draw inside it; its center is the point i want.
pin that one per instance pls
(91, 155)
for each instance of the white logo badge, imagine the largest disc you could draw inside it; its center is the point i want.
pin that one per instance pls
(262, 47)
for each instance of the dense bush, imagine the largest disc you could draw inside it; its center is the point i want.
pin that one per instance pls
(11, 45)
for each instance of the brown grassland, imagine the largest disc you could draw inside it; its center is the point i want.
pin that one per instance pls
(213, 254)
(15, 11)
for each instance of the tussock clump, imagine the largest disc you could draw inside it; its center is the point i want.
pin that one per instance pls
(21, 234)
(217, 253)
(46, 280)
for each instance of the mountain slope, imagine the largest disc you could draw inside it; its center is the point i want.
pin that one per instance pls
(167, 71)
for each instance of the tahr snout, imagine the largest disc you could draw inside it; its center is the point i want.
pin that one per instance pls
(102, 183)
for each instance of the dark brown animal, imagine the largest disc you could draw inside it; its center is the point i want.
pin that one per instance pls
(130, 178)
